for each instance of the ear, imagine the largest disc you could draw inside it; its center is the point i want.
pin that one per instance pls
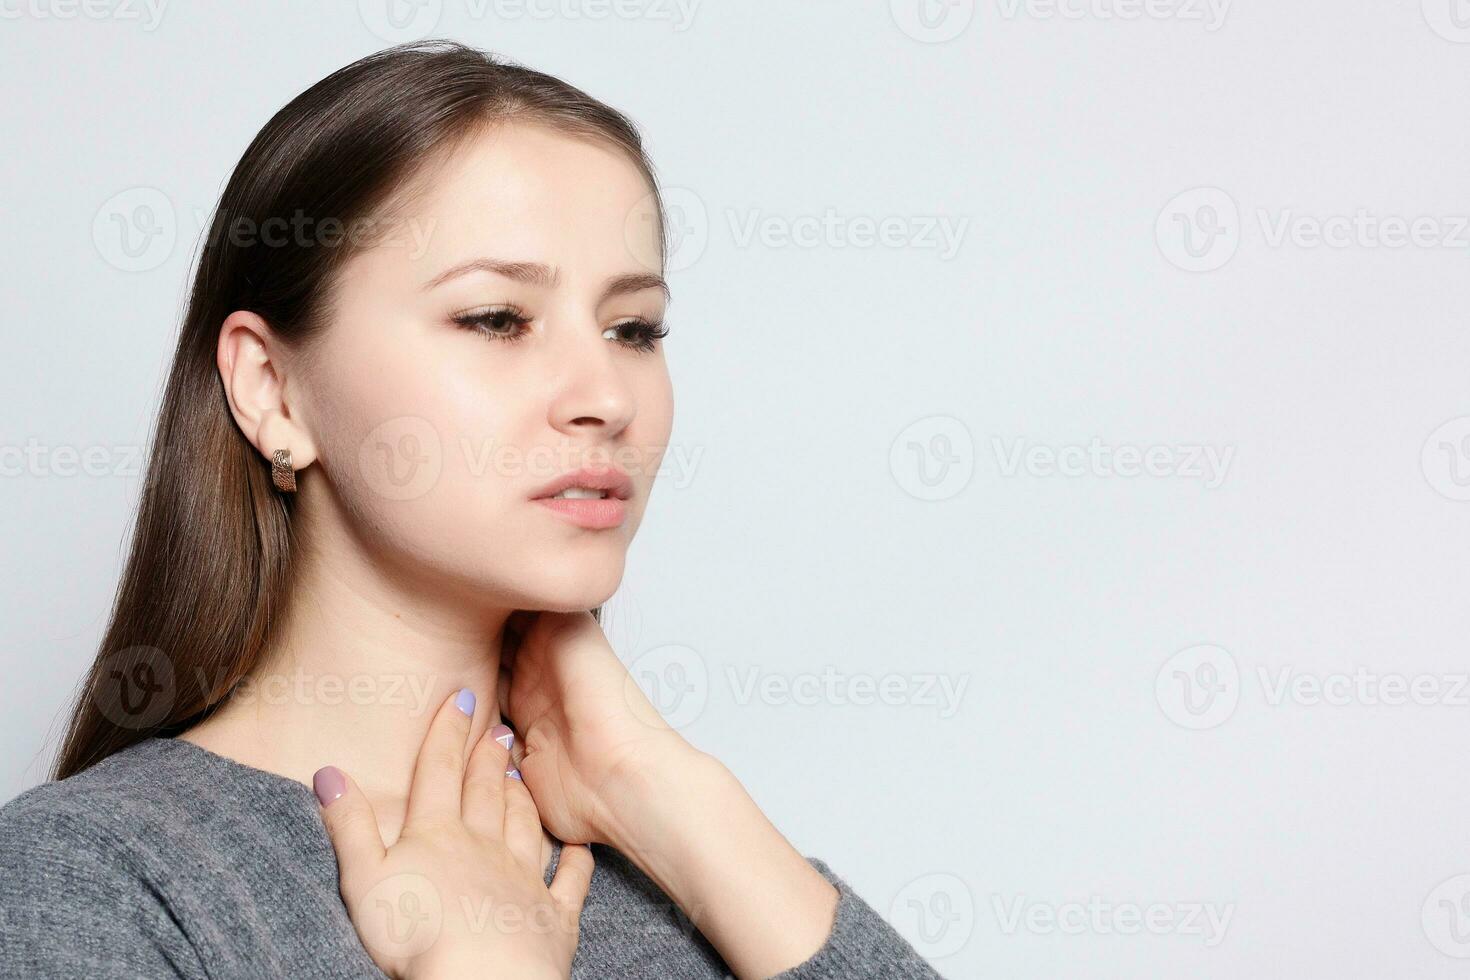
(252, 363)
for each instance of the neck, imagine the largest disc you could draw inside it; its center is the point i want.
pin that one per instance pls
(359, 668)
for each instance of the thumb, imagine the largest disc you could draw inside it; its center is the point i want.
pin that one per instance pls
(351, 824)
(573, 876)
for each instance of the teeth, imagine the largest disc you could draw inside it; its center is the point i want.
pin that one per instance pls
(580, 493)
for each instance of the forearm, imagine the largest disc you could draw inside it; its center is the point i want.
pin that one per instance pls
(694, 830)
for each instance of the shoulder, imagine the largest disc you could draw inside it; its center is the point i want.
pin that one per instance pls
(103, 808)
(55, 842)
(83, 810)
(79, 889)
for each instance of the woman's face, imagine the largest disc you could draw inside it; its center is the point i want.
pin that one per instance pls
(503, 336)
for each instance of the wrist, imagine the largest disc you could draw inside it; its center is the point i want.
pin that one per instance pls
(701, 838)
(646, 783)
(648, 800)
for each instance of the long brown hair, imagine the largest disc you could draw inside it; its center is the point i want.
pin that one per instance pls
(208, 573)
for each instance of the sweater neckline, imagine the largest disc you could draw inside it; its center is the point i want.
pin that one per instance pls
(302, 793)
(235, 767)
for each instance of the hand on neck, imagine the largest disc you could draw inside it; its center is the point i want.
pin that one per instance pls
(353, 680)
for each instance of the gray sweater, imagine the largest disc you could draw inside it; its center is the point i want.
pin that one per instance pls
(168, 860)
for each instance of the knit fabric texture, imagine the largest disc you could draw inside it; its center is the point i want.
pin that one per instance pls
(166, 860)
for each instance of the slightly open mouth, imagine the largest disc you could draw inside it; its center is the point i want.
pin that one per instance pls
(579, 493)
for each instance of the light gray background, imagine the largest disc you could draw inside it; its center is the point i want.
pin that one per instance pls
(819, 385)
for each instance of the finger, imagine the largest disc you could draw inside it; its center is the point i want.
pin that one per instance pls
(482, 804)
(573, 876)
(522, 821)
(351, 824)
(517, 756)
(438, 774)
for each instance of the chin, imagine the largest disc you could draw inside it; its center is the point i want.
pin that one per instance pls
(561, 603)
(575, 589)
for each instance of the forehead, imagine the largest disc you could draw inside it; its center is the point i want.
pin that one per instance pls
(525, 192)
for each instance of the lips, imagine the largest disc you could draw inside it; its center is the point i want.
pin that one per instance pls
(595, 513)
(619, 485)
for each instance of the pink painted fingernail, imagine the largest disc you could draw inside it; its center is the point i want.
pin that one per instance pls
(503, 735)
(329, 784)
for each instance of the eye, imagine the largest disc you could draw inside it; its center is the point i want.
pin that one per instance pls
(639, 334)
(507, 323)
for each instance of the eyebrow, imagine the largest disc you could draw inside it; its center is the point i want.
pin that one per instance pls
(538, 274)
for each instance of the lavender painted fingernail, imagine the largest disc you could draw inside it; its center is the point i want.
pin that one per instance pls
(465, 701)
(503, 735)
(329, 785)
(513, 773)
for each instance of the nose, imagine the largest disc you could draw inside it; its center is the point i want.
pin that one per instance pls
(590, 392)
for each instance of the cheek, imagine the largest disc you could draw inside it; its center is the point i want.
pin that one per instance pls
(647, 442)
(655, 419)
(411, 443)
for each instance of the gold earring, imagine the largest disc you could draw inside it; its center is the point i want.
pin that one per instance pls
(282, 471)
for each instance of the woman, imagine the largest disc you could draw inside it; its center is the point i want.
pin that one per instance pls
(412, 424)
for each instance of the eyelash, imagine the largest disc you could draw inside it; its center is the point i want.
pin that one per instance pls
(649, 333)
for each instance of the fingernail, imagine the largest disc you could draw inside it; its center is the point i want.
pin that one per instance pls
(503, 735)
(513, 773)
(329, 784)
(465, 701)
